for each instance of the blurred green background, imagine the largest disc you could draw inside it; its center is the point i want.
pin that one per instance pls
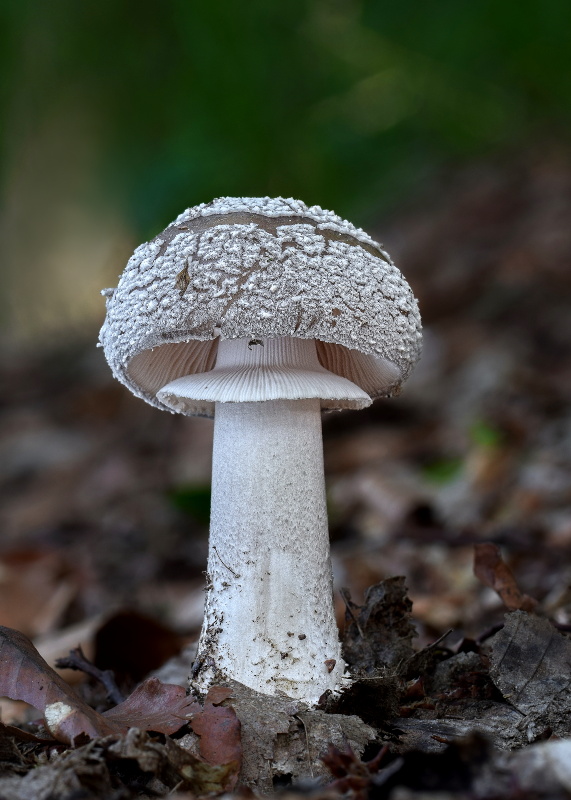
(115, 116)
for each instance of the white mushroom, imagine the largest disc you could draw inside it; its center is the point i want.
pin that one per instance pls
(262, 312)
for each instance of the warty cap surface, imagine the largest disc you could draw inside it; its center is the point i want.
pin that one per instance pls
(260, 268)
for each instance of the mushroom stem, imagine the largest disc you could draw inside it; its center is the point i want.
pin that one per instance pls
(269, 620)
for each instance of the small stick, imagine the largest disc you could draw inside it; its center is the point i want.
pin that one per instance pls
(306, 744)
(424, 649)
(77, 660)
(235, 574)
(346, 600)
(444, 635)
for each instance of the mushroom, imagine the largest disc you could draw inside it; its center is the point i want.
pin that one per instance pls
(262, 312)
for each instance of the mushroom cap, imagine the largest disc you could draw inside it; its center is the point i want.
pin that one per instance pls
(260, 268)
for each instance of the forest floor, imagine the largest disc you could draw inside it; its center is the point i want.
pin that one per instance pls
(452, 502)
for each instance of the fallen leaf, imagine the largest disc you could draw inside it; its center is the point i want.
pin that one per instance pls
(24, 675)
(219, 731)
(380, 632)
(154, 706)
(491, 569)
(530, 666)
(530, 662)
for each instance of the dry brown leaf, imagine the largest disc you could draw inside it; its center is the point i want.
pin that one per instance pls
(219, 731)
(491, 569)
(530, 666)
(154, 706)
(24, 675)
(380, 632)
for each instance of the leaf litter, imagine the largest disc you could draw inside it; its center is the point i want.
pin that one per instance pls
(476, 451)
(121, 731)
(450, 715)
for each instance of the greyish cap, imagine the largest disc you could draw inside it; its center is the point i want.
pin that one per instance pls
(263, 268)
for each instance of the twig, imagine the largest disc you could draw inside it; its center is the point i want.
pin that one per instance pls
(441, 639)
(235, 574)
(346, 600)
(77, 660)
(309, 763)
(424, 649)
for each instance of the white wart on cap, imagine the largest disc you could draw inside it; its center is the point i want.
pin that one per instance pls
(260, 268)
